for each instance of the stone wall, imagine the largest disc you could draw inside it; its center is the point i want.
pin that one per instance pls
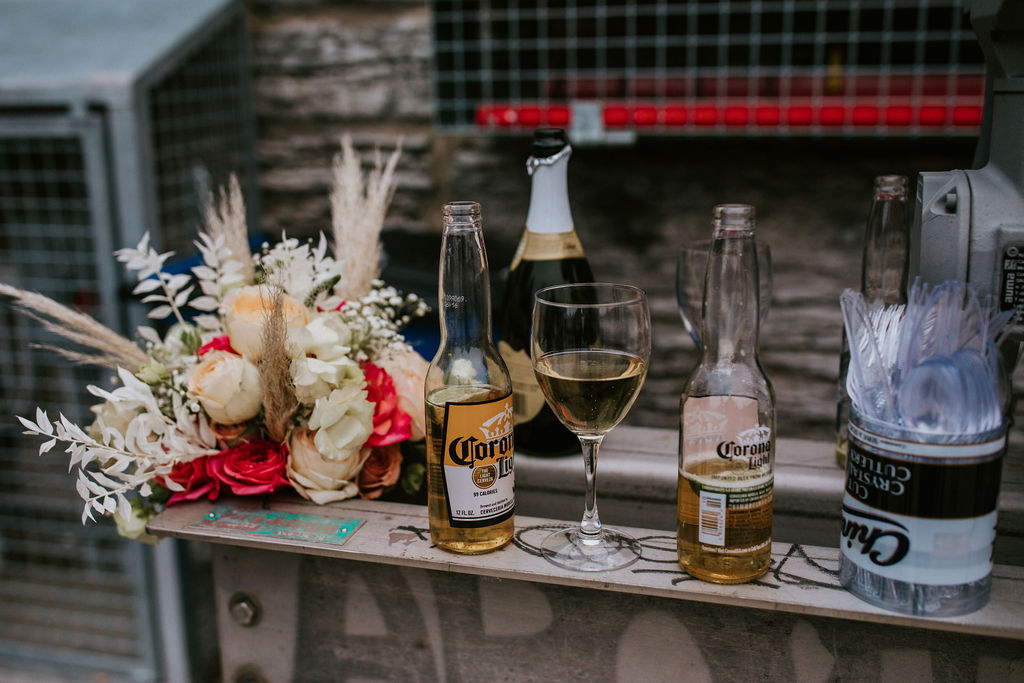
(325, 68)
(322, 68)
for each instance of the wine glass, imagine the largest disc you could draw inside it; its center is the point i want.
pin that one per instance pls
(691, 267)
(590, 345)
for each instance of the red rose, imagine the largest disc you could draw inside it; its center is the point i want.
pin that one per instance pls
(193, 476)
(250, 468)
(380, 471)
(391, 424)
(221, 343)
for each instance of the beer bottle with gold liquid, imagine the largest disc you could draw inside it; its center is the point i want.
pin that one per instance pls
(727, 420)
(549, 253)
(470, 479)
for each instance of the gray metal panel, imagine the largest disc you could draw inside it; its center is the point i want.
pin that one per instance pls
(56, 50)
(133, 95)
(70, 595)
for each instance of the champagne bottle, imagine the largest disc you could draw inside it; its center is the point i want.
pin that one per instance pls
(883, 277)
(470, 479)
(549, 253)
(727, 421)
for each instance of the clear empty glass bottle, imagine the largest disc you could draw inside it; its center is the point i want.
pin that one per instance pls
(727, 420)
(883, 277)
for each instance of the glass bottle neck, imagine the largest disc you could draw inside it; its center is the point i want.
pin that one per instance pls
(549, 196)
(464, 291)
(884, 272)
(730, 315)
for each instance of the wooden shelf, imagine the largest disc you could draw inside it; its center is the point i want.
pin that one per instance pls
(802, 579)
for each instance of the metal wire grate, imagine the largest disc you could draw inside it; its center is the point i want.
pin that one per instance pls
(67, 593)
(201, 133)
(749, 67)
(116, 118)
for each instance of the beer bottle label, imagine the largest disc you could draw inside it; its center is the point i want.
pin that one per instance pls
(527, 397)
(477, 462)
(727, 463)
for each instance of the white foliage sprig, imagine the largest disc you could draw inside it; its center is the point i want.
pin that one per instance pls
(298, 267)
(125, 462)
(171, 292)
(219, 273)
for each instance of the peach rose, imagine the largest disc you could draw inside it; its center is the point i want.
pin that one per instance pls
(246, 309)
(408, 369)
(319, 480)
(233, 435)
(227, 386)
(380, 472)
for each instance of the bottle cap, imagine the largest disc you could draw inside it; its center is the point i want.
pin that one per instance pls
(891, 185)
(733, 218)
(547, 142)
(462, 216)
(462, 208)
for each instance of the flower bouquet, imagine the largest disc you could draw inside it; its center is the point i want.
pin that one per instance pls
(280, 369)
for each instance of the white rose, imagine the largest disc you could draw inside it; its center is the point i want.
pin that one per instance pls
(134, 527)
(113, 416)
(319, 480)
(327, 337)
(343, 422)
(227, 386)
(315, 378)
(245, 311)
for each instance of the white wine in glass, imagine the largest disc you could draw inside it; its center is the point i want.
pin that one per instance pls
(590, 345)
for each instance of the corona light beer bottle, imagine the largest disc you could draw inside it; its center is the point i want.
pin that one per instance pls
(727, 425)
(470, 479)
(549, 253)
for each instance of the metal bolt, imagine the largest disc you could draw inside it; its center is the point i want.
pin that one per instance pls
(244, 609)
(951, 202)
(248, 673)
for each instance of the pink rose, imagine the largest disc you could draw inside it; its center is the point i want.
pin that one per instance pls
(250, 468)
(391, 424)
(407, 369)
(380, 472)
(193, 476)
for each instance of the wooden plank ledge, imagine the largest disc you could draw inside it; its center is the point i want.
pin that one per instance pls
(803, 579)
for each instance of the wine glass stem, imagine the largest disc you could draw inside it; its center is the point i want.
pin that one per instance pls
(590, 527)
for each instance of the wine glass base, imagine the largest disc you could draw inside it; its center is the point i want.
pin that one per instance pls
(571, 549)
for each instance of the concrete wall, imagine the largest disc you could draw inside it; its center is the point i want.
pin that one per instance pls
(322, 68)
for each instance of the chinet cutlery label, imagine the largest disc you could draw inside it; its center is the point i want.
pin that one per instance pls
(921, 513)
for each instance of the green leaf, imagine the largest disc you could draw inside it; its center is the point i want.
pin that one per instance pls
(413, 478)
